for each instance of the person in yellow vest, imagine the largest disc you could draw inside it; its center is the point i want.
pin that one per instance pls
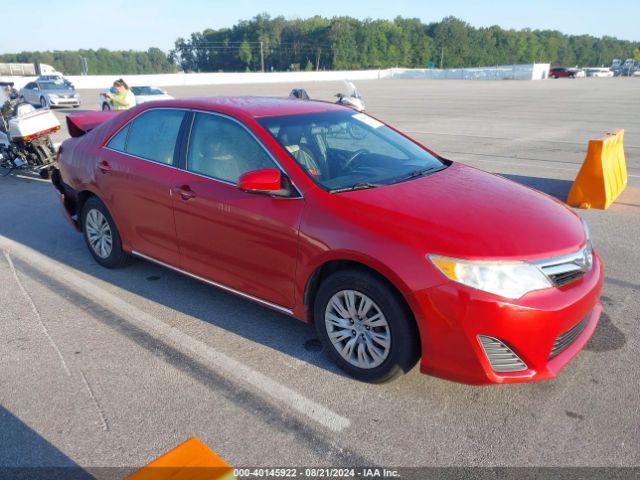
(124, 98)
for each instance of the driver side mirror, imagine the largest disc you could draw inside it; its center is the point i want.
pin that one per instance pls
(267, 181)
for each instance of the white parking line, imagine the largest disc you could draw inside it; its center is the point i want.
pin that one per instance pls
(35, 179)
(221, 362)
(521, 161)
(509, 139)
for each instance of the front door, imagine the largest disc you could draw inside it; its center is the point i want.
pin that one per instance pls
(244, 241)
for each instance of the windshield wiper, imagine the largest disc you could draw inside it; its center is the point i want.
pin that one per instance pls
(419, 173)
(357, 186)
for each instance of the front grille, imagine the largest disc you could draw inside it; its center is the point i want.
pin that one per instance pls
(560, 279)
(501, 358)
(567, 338)
(568, 268)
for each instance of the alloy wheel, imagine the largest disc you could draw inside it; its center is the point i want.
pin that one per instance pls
(357, 329)
(99, 233)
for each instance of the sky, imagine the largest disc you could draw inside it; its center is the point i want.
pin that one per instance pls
(138, 25)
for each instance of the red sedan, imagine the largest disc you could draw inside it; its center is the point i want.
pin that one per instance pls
(393, 252)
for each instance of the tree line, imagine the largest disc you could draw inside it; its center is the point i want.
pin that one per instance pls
(344, 43)
(101, 61)
(347, 43)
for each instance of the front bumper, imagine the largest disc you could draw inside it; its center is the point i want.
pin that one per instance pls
(451, 317)
(63, 102)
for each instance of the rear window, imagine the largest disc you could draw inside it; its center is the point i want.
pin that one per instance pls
(118, 142)
(153, 135)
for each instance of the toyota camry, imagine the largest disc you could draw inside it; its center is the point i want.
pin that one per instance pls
(396, 254)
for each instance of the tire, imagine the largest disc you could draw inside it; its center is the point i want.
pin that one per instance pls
(106, 106)
(43, 102)
(76, 106)
(397, 347)
(94, 217)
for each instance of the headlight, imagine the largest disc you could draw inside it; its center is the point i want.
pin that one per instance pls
(588, 246)
(587, 234)
(507, 279)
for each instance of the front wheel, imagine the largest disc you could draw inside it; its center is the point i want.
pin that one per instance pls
(43, 102)
(106, 106)
(101, 235)
(364, 326)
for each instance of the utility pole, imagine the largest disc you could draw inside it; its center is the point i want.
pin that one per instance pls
(262, 54)
(441, 58)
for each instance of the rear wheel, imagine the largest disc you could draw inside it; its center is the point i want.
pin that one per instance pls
(101, 235)
(364, 327)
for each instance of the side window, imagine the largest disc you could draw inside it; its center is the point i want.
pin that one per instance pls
(118, 141)
(29, 86)
(153, 135)
(222, 149)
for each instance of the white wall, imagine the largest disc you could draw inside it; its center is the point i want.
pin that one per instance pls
(185, 79)
(535, 71)
(515, 72)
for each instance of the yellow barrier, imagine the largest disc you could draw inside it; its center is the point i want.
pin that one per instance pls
(603, 174)
(191, 460)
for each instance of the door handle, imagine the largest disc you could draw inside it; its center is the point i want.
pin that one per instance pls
(185, 192)
(104, 166)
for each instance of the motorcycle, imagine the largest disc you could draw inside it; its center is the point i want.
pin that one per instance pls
(25, 141)
(351, 98)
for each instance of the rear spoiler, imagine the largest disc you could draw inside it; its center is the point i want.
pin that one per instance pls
(80, 123)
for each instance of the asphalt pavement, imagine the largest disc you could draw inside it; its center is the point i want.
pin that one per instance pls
(112, 368)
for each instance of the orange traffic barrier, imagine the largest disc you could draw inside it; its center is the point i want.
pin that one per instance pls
(603, 174)
(191, 460)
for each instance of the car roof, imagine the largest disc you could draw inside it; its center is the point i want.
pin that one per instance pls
(256, 106)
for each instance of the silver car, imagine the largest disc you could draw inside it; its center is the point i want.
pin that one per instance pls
(50, 94)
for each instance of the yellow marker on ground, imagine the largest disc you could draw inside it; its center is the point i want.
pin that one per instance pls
(191, 460)
(603, 175)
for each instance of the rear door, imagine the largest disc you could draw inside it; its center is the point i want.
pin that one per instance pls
(243, 241)
(135, 173)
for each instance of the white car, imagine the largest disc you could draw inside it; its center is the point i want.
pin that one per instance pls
(143, 93)
(598, 72)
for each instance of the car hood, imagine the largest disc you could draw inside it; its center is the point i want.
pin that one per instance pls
(467, 213)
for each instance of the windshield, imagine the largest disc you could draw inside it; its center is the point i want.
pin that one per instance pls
(54, 86)
(146, 91)
(347, 150)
